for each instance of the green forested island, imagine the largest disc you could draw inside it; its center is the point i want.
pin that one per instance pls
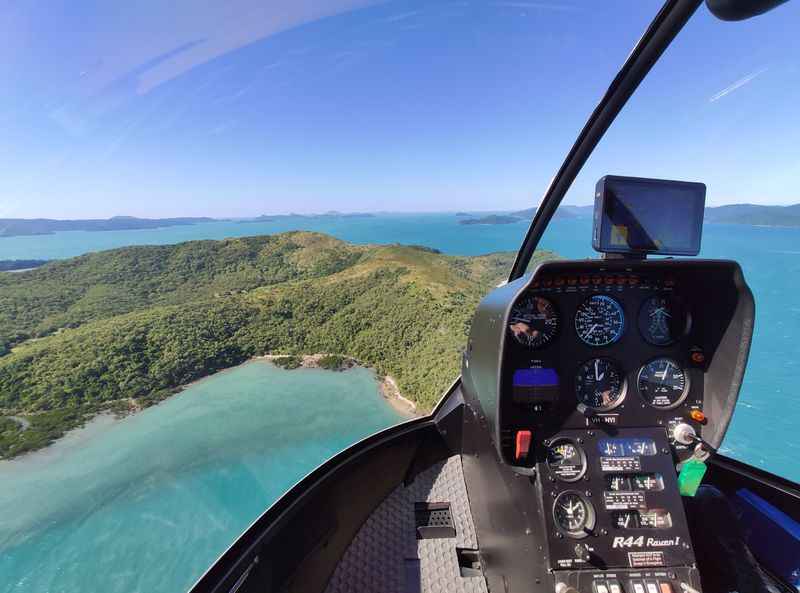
(125, 328)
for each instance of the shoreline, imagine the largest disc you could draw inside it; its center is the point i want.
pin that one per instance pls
(118, 410)
(387, 386)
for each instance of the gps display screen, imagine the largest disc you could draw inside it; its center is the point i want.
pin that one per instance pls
(634, 215)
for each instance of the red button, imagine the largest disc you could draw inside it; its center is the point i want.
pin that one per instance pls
(523, 444)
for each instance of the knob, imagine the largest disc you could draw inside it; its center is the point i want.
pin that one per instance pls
(684, 434)
(564, 588)
(582, 552)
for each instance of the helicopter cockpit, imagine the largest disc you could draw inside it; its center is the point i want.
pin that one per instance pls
(579, 450)
(596, 379)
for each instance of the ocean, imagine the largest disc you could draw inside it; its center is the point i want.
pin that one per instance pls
(173, 486)
(147, 503)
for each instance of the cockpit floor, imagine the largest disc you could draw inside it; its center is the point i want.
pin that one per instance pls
(387, 556)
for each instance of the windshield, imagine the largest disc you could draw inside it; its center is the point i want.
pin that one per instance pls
(719, 108)
(238, 237)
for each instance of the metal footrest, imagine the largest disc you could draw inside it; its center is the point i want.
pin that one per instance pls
(434, 520)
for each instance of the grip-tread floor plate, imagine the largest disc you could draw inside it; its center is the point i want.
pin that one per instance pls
(385, 556)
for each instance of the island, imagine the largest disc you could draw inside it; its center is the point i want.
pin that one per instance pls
(491, 219)
(120, 330)
(13, 227)
(262, 218)
(329, 214)
(754, 215)
(19, 265)
(564, 211)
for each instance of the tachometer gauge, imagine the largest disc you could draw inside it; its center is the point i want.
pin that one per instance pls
(600, 321)
(663, 383)
(599, 384)
(533, 321)
(573, 514)
(661, 320)
(566, 460)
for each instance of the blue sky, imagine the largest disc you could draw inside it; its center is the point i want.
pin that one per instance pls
(240, 109)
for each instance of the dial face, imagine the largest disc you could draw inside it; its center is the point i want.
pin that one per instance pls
(566, 460)
(661, 321)
(573, 514)
(600, 321)
(533, 321)
(600, 384)
(663, 383)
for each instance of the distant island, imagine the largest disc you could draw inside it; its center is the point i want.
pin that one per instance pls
(329, 214)
(749, 214)
(564, 211)
(14, 227)
(15, 265)
(123, 329)
(262, 218)
(491, 219)
(754, 214)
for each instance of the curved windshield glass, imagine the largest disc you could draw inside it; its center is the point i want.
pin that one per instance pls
(719, 108)
(237, 237)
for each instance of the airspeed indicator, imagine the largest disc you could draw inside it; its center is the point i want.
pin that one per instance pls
(599, 321)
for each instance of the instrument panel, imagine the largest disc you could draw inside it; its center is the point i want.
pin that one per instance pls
(605, 366)
(596, 380)
(589, 347)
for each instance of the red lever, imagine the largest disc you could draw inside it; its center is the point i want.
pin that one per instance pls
(523, 444)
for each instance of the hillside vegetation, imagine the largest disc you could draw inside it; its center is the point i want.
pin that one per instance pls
(130, 326)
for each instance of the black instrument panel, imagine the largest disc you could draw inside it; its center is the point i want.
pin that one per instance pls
(599, 347)
(580, 372)
(600, 361)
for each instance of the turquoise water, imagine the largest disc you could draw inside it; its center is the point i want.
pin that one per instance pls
(171, 487)
(441, 231)
(147, 503)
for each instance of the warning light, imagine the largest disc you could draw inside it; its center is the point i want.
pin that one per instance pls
(698, 357)
(698, 416)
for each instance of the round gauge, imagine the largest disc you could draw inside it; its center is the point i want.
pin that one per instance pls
(663, 383)
(600, 385)
(600, 321)
(573, 514)
(566, 460)
(661, 321)
(533, 321)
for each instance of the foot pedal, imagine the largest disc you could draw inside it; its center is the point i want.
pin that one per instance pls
(434, 520)
(469, 562)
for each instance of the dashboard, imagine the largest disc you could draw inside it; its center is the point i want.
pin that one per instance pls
(588, 347)
(596, 380)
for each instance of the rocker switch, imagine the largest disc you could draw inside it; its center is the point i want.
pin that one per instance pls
(523, 445)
